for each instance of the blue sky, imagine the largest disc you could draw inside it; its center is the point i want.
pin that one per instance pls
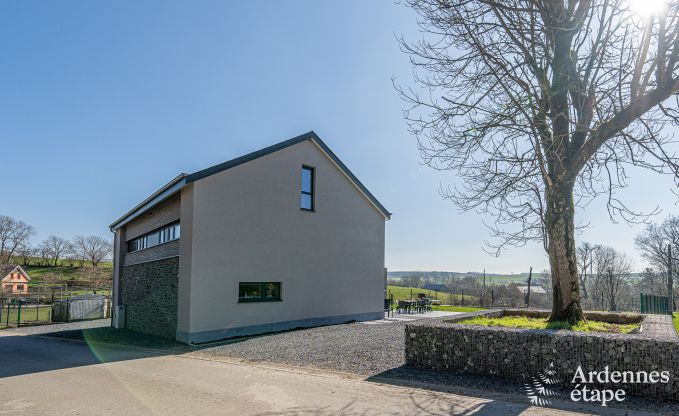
(103, 102)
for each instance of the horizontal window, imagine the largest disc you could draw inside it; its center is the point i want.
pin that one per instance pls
(164, 235)
(259, 291)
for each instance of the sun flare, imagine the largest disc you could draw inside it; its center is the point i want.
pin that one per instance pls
(647, 8)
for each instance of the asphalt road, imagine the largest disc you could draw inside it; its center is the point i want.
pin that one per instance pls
(40, 375)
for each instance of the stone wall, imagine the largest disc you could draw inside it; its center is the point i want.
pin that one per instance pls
(149, 293)
(519, 353)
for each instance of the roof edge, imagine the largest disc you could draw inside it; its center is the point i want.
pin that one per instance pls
(324, 147)
(248, 157)
(176, 184)
(160, 195)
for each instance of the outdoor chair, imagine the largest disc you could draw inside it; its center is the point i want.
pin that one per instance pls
(387, 307)
(403, 306)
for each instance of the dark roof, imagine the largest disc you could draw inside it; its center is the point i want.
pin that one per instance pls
(177, 183)
(8, 268)
(157, 197)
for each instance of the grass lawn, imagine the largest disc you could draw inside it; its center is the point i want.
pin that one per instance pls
(450, 308)
(401, 293)
(541, 323)
(28, 315)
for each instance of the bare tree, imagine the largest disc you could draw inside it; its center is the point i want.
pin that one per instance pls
(613, 271)
(54, 247)
(79, 249)
(97, 249)
(540, 106)
(585, 258)
(99, 278)
(653, 282)
(13, 234)
(25, 252)
(53, 279)
(653, 241)
(44, 254)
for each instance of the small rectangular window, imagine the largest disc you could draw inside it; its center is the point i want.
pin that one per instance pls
(259, 291)
(307, 196)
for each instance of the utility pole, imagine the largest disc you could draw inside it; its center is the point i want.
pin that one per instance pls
(530, 277)
(483, 297)
(670, 281)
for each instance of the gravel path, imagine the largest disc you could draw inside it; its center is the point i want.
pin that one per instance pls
(377, 352)
(354, 348)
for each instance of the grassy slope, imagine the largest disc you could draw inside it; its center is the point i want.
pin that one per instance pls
(540, 323)
(68, 273)
(404, 293)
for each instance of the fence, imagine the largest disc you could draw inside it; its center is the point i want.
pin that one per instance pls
(654, 304)
(15, 312)
(83, 307)
(56, 305)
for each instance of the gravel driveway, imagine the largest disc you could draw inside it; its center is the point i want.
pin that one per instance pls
(377, 349)
(360, 348)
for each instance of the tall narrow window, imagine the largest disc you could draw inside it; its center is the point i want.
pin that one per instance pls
(307, 201)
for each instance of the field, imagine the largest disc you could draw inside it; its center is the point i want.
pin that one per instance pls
(28, 315)
(408, 293)
(497, 278)
(66, 272)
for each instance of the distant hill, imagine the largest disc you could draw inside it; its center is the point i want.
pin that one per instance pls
(440, 276)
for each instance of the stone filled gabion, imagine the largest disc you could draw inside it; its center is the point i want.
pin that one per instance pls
(516, 353)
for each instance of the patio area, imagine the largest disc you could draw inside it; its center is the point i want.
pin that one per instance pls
(407, 317)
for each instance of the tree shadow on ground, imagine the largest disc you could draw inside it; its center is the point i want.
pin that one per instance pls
(418, 404)
(502, 395)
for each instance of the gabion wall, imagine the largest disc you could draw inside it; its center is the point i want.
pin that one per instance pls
(520, 353)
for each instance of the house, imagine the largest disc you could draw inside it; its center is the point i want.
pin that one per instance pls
(13, 279)
(281, 238)
(533, 290)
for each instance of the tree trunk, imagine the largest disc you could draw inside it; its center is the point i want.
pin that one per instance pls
(560, 223)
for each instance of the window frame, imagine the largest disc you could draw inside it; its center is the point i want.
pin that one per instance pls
(142, 242)
(261, 299)
(312, 194)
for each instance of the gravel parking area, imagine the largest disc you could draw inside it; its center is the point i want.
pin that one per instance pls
(376, 351)
(358, 348)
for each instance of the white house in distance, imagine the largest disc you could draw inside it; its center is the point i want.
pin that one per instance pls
(281, 238)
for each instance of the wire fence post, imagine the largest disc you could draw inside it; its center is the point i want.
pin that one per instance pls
(530, 277)
(19, 314)
(670, 280)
